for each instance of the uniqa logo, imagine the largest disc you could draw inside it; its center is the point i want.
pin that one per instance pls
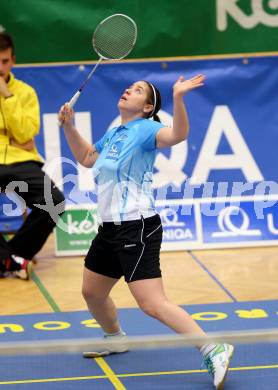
(226, 8)
(229, 229)
(173, 229)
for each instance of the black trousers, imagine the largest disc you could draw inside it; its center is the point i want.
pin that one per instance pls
(42, 197)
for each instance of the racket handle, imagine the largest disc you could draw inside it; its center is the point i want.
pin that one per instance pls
(74, 99)
(72, 102)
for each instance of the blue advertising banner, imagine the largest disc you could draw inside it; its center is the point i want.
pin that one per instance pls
(222, 182)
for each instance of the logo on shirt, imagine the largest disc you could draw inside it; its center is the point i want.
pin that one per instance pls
(106, 142)
(122, 137)
(115, 150)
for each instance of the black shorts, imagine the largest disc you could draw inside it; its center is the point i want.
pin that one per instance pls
(131, 249)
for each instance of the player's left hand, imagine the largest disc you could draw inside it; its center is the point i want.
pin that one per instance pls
(182, 86)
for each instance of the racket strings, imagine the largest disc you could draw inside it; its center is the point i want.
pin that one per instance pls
(115, 37)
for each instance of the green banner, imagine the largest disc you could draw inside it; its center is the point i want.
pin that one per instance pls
(75, 231)
(61, 30)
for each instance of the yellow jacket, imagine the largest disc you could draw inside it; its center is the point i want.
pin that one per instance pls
(19, 123)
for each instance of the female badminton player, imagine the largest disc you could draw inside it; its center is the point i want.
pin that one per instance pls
(130, 234)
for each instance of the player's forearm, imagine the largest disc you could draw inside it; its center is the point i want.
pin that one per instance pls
(79, 146)
(180, 119)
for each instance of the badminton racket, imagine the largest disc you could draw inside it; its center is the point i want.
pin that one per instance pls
(113, 39)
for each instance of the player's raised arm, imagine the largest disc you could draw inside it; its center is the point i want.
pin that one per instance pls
(83, 151)
(168, 136)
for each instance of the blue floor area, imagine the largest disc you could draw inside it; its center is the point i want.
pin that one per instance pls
(66, 325)
(254, 367)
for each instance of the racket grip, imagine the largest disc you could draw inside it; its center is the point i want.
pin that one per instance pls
(71, 103)
(74, 99)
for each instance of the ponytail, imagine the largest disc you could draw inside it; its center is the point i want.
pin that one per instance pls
(156, 118)
(155, 100)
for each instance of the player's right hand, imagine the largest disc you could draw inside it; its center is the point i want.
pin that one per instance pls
(66, 115)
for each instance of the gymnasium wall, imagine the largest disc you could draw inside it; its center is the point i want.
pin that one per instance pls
(219, 189)
(61, 30)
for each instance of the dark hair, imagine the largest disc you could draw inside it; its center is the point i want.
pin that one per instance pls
(6, 42)
(155, 99)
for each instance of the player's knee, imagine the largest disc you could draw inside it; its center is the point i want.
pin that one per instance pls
(86, 293)
(90, 294)
(150, 308)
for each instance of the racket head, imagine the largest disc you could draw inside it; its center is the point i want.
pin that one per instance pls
(115, 37)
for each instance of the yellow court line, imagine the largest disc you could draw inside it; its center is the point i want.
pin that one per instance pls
(74, 378)
(252, 368)
(182, 372)
(118, 385)
(110, 374)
